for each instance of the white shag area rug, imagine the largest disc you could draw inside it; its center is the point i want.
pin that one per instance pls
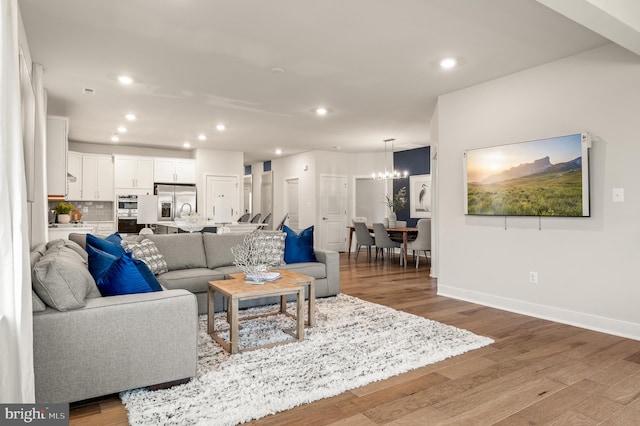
(353, 343)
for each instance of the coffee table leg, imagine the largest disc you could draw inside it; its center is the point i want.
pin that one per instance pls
(283, 304)
(233, 325)
(210, 302)
(300, 314)
(312, 302)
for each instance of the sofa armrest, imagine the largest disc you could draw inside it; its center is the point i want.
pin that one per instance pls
(114, 344)
(331, 259)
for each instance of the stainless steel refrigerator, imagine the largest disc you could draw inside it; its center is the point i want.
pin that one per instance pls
(173, 200)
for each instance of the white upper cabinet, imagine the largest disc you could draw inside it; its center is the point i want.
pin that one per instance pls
(133, 172)
(57, 146)
(74, 170)
(97, 177)
(174, 170)
(93, 176)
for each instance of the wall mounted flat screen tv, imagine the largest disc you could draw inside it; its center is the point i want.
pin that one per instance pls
(546, 177)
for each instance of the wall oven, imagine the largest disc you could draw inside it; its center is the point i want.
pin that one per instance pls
(128, 214)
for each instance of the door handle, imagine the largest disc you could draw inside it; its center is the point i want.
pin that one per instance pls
(325, 218)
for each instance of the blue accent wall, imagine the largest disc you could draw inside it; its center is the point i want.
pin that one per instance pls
(416, 162)
(247, 170)
(267, 166)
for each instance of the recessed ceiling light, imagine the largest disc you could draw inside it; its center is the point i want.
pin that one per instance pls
(130, 117)
(220, 127)
(278, 151)
(337, 147)
(321, 111)
(277, 70)
(186, 145)
(125, 79)
(114, 137)
(202, 137)
(448, 63)
(122, 129)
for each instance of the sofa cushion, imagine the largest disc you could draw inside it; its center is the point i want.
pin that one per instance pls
(37, 305)
(147, 251)
(61, 279)
(71, 244)
(127, 276)
(312, 269)
(298, 247)
(181, 251)
(218, 248)
(196, 280)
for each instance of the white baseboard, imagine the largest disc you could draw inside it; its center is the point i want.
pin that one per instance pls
(616, 327)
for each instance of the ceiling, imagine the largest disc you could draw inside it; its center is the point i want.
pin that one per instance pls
(262, 67)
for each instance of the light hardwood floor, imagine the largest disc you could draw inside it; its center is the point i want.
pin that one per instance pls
(536, 373)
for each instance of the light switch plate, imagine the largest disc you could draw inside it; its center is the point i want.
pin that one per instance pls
(618, 195)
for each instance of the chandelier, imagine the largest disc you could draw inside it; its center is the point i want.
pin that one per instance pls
(393, 174)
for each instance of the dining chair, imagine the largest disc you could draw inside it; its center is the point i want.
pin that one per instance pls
(267, 218)
(256, 218)
(284, 219)
(363, 238)
(381, 237)
(244, 218)
(422, 241)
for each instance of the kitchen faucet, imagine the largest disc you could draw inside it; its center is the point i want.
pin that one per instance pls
(182, 208)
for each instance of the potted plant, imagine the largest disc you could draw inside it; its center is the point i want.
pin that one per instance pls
(63, 209)
(395, 203)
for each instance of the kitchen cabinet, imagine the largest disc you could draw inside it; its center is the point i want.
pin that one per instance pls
(97, 177)
(74, 170)
(57, 147)
(102, 228)
(132, 172)
(90, 177)
(174, 170)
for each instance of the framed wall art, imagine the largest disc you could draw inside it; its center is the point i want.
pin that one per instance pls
(420, 196)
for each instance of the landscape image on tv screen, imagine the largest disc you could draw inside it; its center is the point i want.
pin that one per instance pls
(546, 177)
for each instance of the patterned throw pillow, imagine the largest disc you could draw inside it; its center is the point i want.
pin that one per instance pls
(271, 246)
(147, 251)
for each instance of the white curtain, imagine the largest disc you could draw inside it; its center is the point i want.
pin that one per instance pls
(40, 208)
(16, 330)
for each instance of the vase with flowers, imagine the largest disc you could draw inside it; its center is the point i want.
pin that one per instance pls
(63, 209)
(395, 203)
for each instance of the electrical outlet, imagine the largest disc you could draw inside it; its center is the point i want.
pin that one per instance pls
(85, 209)
(533, 277)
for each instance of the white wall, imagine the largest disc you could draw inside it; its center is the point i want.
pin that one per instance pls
(586, 266)
(94, 148)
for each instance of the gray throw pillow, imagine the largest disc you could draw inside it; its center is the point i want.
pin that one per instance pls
(72, 245)
(62, 280)
(147, 251)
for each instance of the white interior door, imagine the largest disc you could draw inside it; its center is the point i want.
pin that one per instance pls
(333, 208)
(225, 186)
(293, 204)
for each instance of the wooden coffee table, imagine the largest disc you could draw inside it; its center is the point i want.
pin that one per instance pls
(234, 289)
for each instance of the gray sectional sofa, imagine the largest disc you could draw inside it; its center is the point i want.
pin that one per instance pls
(87, 346)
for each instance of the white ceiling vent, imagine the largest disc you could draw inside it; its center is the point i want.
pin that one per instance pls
(88, 91)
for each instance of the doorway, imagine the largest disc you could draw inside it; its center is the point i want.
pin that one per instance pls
(333, 210)
(292, 205)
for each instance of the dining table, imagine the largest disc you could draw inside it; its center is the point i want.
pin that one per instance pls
(406, 231)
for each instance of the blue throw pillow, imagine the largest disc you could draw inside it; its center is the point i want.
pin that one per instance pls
(298, 247)
(99, 261)
(114, 238)
(127, 276)
(111, 244)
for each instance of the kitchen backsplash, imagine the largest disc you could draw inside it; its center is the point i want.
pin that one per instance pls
(92, 211)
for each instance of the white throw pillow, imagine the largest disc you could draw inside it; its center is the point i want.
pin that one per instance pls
(147, 251)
